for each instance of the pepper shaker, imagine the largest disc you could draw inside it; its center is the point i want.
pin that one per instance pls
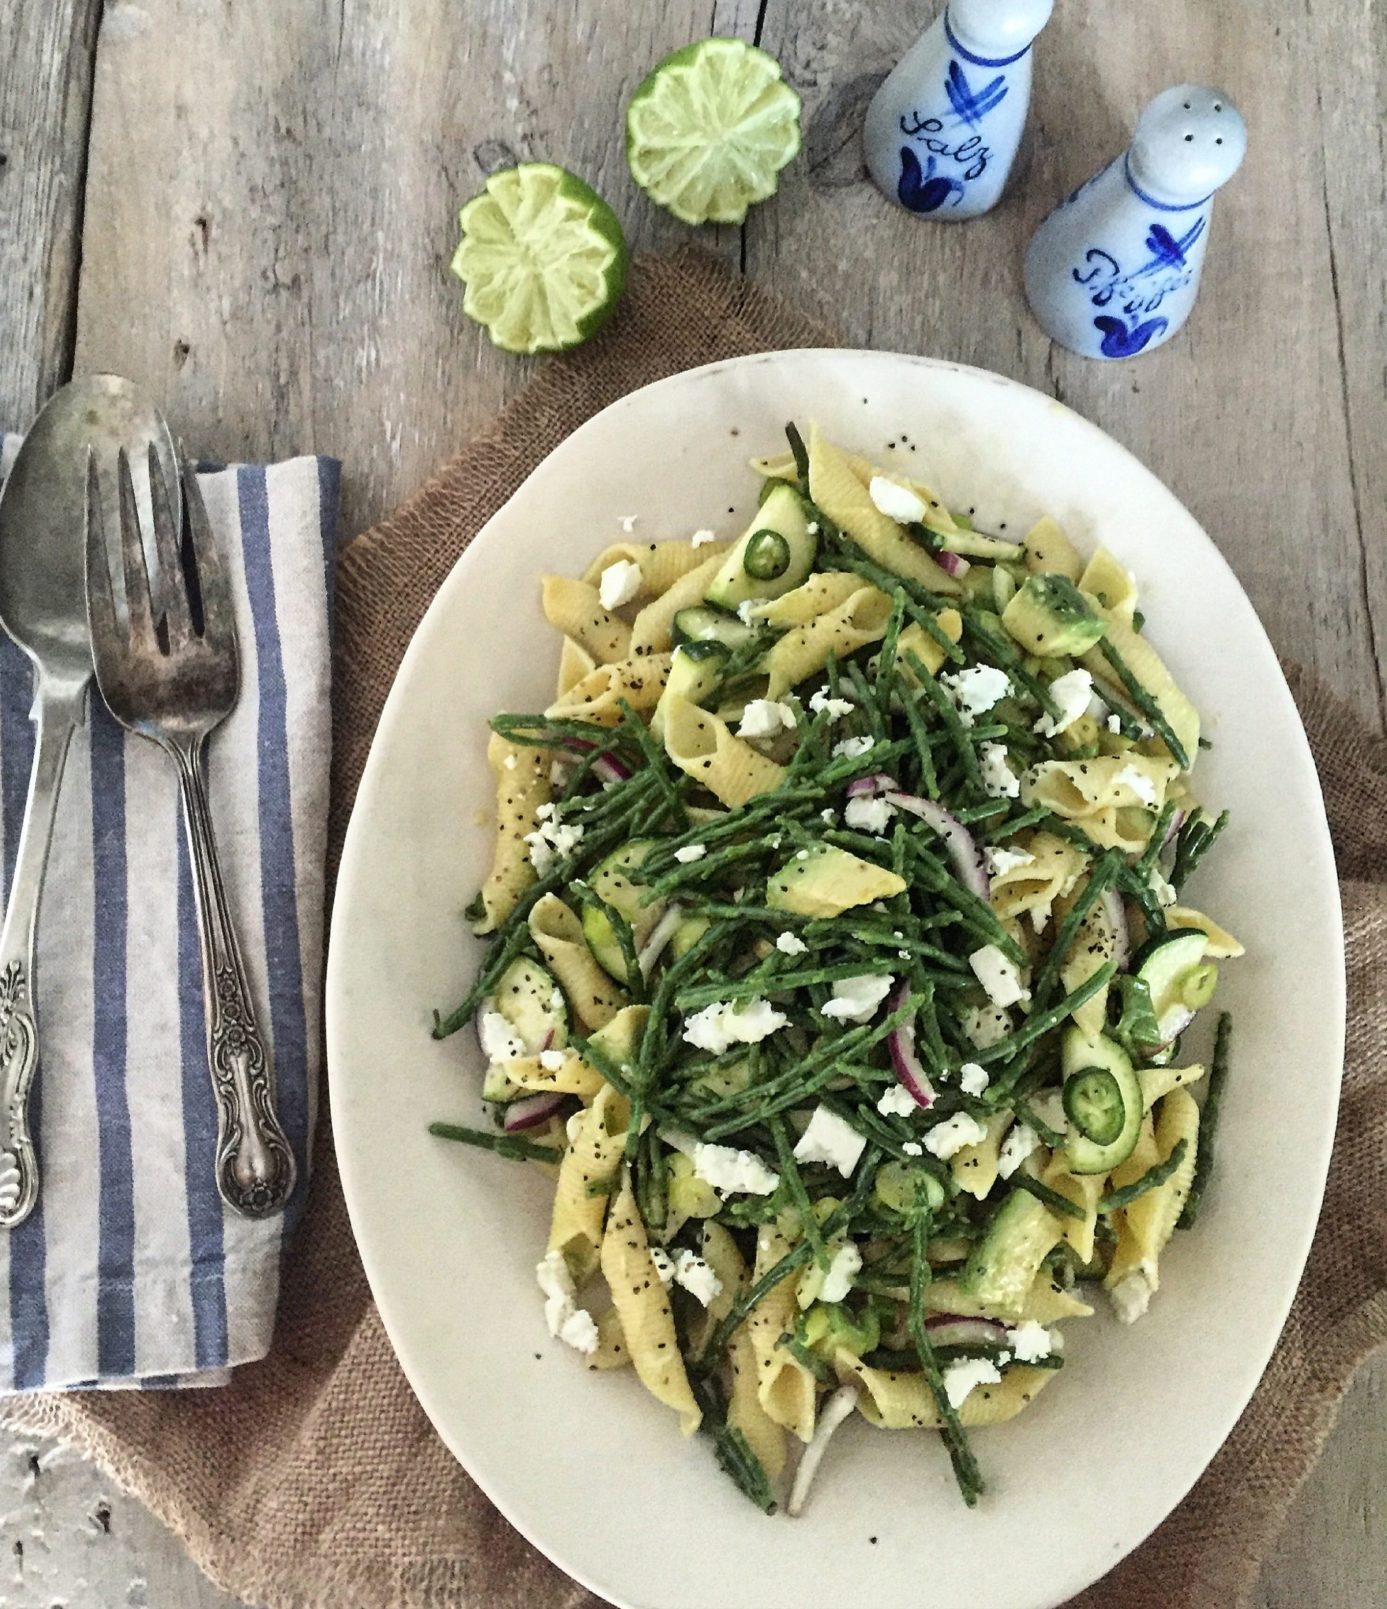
(1114, 270)
(942, 131)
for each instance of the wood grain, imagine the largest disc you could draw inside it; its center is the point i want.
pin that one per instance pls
(45, 90)
(267, 218)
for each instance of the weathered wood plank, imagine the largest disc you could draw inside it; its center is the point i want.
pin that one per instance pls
(1244, 413)
(45, 90)
(284, 238)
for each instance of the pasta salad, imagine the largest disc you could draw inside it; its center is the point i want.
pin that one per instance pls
(839, 964)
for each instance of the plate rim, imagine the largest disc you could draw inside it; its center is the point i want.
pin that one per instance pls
(353, 852)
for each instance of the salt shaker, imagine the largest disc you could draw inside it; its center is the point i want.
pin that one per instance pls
(942, 131)
(1114, 270)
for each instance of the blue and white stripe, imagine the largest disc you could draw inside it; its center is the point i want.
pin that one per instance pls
(130, 1272)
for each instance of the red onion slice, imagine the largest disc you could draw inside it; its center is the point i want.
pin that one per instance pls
(1116, 913)
(952, 563)
(904, 1058)
(1176, 822)
(953, 1329)
(660, 935)
(836, 1408)
(960, 845)
(878, 782)
(531, 1112)
(608, 769)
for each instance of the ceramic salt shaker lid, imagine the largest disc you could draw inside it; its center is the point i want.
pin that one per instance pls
(942, 131)
(1114, 270)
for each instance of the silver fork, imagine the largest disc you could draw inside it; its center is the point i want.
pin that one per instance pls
(173, 687)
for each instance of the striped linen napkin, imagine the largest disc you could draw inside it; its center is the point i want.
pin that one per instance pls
(130, 1272)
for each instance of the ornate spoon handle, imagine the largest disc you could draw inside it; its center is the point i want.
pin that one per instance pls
(56, 718)
(255, 1163)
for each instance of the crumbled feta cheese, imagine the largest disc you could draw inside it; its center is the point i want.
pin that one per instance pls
(664, 1264)
(856, 999)
(1001, 861)
(579, 1331)
(869, 815)
(628, 522)
(897, 1101)
(1131, 1296)
(1164, 891)
(1000, 977)
(551, 1060)
(1071, 693)
(690, 853)
(999, 781)
(843, 1265)
(700, 537)
(960, 1378)
(696, 1277)
(499, 1040)
(812, 527)
(912, 1148)
(972, 1079)
(552, 839)
(820, 702)
(852, 747)
(801, 854)
(733, 1172)
(974, 691)
(723, 1024)
(791, 944)
(831, 1139)
(948, 1138)
(557, 1285)
(510, 762)
(1138, 782)
(1031, 1342)
(986, 1025)
(558, 775)
(828, 817)
(1114, 722)
(766, 717)
(895, 501)
(620, 582)
(1021, 1140)
(746, 610)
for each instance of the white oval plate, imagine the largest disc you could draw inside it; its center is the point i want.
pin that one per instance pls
(589, 1467)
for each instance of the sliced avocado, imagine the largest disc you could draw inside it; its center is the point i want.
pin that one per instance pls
(611, 884)
(688, 933)
(824, 880)
(1048, 615)
(776, 553)
(1003, 1265)
(695, 674)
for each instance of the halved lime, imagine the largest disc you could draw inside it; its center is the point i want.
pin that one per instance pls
(543, 257)
(709, 130)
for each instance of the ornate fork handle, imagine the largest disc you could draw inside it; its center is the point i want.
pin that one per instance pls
(255, 1162)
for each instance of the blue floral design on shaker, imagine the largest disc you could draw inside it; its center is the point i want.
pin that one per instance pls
(1164, 272)
(924, 188)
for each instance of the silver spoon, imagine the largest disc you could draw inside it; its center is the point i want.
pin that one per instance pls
(43, 607)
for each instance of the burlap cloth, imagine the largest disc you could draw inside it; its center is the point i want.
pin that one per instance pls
(314, 1479)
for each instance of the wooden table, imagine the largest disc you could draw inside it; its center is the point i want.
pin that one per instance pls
(250, 208)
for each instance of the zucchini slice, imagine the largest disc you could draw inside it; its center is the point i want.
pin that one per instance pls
(776, 553)
(534, 1009)
(1102, 1100)
(705, 624)
(1171, 968)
